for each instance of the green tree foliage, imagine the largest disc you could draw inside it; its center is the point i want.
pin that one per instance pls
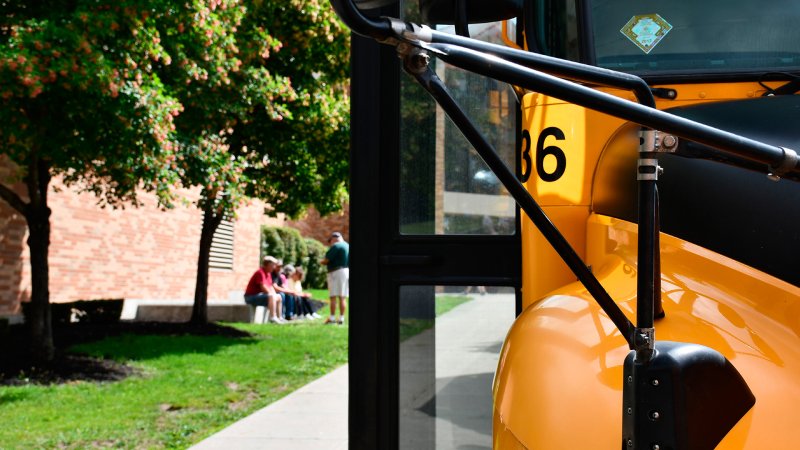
(80, 98)
(236, 98)
(266, 116)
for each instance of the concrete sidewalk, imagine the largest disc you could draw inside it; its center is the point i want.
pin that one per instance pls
(446, 376)
(449, 367)
(312, 417)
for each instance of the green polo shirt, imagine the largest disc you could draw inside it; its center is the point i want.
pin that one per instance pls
(338, 256)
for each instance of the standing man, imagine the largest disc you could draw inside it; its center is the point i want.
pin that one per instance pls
(337, 259)
(260, 290)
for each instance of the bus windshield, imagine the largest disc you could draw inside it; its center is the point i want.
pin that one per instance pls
(649, 37)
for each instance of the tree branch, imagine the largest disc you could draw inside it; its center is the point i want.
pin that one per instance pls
(12, 199)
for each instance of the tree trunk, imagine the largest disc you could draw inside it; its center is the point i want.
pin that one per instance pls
(211, 220)
(37, 215)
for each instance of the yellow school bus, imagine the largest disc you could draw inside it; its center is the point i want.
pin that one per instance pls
(661, 227)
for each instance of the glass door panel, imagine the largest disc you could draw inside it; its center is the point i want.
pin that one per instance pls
(427, 216)
(450, 341)
(447, 189)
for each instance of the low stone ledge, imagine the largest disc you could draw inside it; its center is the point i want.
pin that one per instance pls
(182, 313)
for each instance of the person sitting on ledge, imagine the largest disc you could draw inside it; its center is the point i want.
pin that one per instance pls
(281, 285)
(261, 292)
(295, 284)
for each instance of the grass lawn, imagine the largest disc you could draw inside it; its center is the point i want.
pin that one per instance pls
(318, 294)
(322, 295)
(444, 303)
(188, 388)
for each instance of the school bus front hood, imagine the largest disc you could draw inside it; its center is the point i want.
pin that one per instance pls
(559, 378)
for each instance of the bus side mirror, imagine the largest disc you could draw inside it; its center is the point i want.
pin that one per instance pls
(686, 397)
(477, 11)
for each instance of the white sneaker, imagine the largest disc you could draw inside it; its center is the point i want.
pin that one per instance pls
(316, 316)
(276, 320)
(310, 317)
(341, 320)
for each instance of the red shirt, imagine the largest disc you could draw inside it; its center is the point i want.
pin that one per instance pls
(258, 278)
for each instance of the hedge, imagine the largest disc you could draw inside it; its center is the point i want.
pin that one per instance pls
(287, 244)
(316, 273)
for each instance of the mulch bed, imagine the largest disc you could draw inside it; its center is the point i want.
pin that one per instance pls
(17, 368)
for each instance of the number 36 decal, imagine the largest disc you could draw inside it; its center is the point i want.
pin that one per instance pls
(541, 152)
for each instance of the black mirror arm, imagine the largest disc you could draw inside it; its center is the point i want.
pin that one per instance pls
(417, 65)
(380, 29)
(389, 30)
(515, 67)
(662, 383)
(648, 275)
(780, 160)
(555, 66)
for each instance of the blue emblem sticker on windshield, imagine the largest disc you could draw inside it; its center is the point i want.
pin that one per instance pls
(646, 31)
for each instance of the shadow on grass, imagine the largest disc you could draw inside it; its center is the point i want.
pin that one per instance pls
(7, 397)
(145, 346)
(98, 352)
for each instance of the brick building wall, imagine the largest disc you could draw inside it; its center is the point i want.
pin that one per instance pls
(12, 247)
(135, 253)
(320, 228)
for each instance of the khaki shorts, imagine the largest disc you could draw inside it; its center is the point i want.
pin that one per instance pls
(339, 283)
